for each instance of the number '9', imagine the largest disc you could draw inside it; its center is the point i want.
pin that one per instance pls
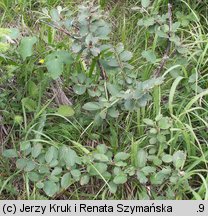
(201, 208)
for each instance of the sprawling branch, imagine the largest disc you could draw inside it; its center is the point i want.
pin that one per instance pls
(167, 51)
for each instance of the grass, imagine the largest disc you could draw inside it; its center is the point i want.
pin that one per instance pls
(183, 100)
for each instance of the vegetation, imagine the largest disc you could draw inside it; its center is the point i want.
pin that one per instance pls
(103, 99)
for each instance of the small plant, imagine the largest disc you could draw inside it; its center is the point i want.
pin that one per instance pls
(58, 167)
(159, 133)
(106, 74)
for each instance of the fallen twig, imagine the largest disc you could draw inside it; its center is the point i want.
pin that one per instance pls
(60, 96)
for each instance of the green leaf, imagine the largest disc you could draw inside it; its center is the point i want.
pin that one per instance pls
(81, 78)
(57, 171)
(148, 21)
(95, 51)
(150, 56)
(26, 46)
(112, 187)
(166, 170)
(126, 56)
(129, 105)
(176, 40)
(97, 167)
(182, 50)
(53, 163)
(76, 48)
(158, 117)
(55, 68)
(64, 56)
(101, 157)
(14, 33)
(148, 122)
(43, 169)
(106, 175)
(33, 89)
(113, 62)
(161, 138)
(103, 114)
(66, 111)
(79, 89)
(33, 176)
(164, 123)
(121, 178)
(148, 169)
(167, 158)
(55, 15)
(152, 151)
(66, 180)
(130, 170)
(162, 34)
(141, 158)
(50, 154)
(113, 112)
(76, 174)
(116, 170)
(141, 177)
(175, 26)
(92, 106)
(112, 89)
(119, 48)
(103, 32)
(121, 164)
(145, 3)
(158, 178)
(157, 161)
(153, 141)
(30, 165)
(25, 145)
(10, 153)
(53, 178)
(29, 104)
(36, 150)
(70, 157)
(55, 63)
(102, 148)
(121, 156)
(84, 180)
(21, 164)
(179, 159)
(39, 185)
(50, 188)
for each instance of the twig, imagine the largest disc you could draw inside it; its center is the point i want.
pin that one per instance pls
(60, 96)
(167, 51)
(60, 29)
(102, 71)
